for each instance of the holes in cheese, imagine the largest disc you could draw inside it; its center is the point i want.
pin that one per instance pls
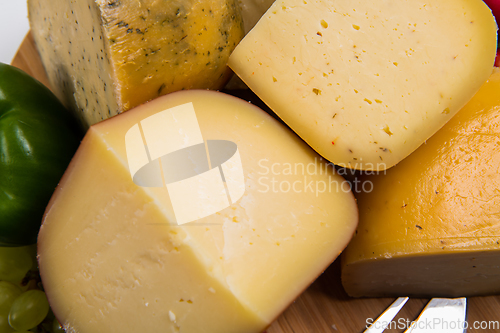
(377, 78)
(430, 226)
(112, 257)
(105, 57)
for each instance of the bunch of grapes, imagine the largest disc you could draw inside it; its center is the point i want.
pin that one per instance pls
(23, 303)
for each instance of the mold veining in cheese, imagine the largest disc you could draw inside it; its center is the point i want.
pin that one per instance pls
(365, 83)
(104, 57)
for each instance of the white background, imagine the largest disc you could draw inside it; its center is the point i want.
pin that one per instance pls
(13, 27)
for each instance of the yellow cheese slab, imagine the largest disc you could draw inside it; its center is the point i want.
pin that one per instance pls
(113, 258)
(430, 226)
(104, 57)
(365, 83)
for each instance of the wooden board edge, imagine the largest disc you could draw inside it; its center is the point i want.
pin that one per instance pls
(28, 59)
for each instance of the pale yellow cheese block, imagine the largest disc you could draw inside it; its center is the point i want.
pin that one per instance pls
(251, 12)
(430, 226)
(104, 57)
(112, 258)
(365, 83)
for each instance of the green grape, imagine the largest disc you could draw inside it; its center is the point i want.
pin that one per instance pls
(28, 310)
(8, 293)
(56, 327)
(4, 325)
(15, 262)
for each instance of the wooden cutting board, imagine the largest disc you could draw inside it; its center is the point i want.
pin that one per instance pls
(324, 307)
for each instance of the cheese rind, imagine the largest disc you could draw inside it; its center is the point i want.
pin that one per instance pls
(104, 57)
(366, 83)
(112, 257)
(430, 226)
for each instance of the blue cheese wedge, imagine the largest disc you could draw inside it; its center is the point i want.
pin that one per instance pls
(104, 57)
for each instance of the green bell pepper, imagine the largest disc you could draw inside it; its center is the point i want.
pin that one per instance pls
(38, 138)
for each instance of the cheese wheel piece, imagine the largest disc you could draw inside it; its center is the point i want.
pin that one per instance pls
(113, 259)
(365, 83)
(104, 57)
(430, 225)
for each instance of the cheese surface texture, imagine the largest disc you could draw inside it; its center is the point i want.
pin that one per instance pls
(430, 226)
(112, 257)
(365, 83)
(104, 57)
